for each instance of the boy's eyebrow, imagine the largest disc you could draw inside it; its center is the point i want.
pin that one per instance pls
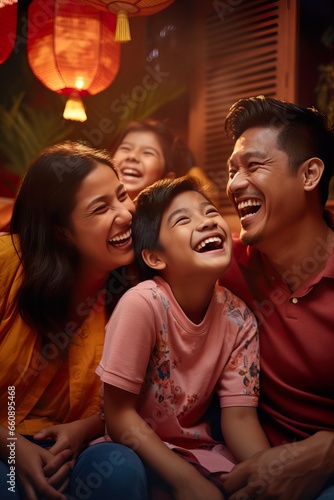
(176, 212)
(186, 210)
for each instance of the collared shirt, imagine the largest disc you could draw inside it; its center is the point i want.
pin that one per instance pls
(296, 339)
(48, 389)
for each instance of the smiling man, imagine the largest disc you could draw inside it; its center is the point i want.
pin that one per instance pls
(283, 268)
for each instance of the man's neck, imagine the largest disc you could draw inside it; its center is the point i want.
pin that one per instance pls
(303, 256)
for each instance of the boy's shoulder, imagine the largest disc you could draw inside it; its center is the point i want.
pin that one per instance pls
(149, 287)
(225, 296)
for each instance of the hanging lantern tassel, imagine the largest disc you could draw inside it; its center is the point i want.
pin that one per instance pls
(75, 109)
(122, 32)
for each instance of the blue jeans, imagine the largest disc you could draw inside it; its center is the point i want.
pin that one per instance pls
(328, 491)
(103, 471)
(107, 471)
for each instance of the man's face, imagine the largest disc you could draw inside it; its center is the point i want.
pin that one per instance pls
(268, 197)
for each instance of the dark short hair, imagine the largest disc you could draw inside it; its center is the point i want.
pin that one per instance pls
(178, 157)
(303, 132)
(151, 204)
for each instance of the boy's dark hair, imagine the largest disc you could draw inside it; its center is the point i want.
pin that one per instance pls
(151, 204)
(303, 132)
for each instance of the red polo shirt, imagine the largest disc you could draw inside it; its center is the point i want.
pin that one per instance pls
(296, 339)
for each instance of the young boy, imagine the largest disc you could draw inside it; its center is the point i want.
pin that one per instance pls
(177, 338)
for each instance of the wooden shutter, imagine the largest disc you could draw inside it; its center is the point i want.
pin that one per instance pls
(243, 49)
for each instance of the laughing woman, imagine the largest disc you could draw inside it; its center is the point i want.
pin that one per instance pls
(60, 269)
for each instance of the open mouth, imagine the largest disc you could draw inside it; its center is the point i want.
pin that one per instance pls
(121, 239)
(130, 172)
(209, 244)
(248, 208)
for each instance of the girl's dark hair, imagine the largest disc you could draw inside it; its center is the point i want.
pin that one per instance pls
(178, 157)
(151, 204)
(45, 200)
(303, 132)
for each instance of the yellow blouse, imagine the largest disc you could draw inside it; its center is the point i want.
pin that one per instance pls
(48, 390)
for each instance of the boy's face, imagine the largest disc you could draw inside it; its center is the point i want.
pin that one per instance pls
(195, 238)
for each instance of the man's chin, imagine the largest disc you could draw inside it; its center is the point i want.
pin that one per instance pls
(247, 238)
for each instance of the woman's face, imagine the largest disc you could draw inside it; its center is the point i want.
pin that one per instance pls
(140, 160)
(100, 223)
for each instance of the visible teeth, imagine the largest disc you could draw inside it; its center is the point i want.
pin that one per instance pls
(121, 237)
(249, 203)
(205, 242)
(130, 171)
(246, 216)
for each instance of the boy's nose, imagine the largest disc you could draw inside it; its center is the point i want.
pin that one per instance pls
(208, 224)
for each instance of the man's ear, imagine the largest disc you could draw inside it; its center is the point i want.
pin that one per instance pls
(153, 259)
(312, 172)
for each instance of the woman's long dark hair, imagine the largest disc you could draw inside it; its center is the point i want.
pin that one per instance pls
(43, 206)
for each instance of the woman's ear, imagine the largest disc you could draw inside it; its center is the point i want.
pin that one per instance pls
(170, 175)
(312, 172)
(63, 234)
(153, 259)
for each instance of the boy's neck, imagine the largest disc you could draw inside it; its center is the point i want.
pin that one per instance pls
(193, 297)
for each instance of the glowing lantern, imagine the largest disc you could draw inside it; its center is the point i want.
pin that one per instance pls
(3, 3)
(72, 51)
(8, 22)
(128, 8)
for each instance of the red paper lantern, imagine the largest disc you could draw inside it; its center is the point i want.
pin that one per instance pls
(8, 26)
(128, 8)
(71, 50)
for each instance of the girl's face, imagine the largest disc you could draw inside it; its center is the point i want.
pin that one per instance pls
(100, 223)
(140, 160)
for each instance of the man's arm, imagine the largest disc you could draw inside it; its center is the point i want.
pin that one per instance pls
(294, 470)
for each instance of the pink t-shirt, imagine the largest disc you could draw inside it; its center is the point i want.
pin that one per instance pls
(153, 349)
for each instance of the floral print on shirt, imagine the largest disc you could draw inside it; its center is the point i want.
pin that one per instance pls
(158, 378)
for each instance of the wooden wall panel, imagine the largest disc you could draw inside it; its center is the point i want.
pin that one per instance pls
(243, 49)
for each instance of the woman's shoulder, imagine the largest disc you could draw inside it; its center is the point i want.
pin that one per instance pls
(10, 262)
(9, 249)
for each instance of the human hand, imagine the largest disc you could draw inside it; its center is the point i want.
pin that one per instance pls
(196, 487)
(70, 436)
(39, 472)
(295, 470)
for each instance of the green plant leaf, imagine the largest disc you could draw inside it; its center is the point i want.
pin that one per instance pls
(26, 131)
